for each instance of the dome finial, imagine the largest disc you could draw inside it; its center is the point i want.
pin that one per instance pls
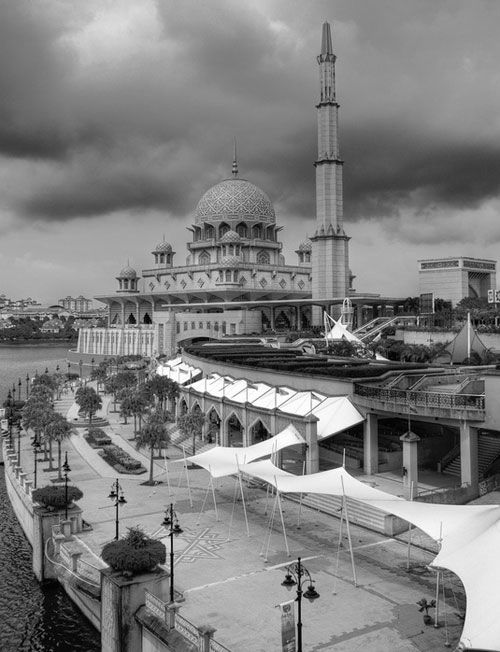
(235, 161)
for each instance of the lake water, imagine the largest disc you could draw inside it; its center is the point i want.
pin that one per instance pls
(32, 617)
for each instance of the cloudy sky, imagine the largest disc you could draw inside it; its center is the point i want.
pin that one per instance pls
(116, 116)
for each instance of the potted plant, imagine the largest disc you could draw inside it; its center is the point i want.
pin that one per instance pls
(425, 606)
(135, 553)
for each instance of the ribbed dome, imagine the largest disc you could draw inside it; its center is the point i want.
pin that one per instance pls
(305, 246)
(235, 199)
(230, 236)
(163, 248)
(230, 261)
(127, 272)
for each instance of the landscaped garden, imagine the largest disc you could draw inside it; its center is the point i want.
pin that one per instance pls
(115, 456)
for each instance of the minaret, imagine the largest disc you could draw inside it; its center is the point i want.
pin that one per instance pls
(330, 259)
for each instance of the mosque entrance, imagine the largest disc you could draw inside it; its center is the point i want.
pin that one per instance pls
(259, 432)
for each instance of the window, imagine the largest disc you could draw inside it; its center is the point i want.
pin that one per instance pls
(257, 232)
(242, 230)
(200, 325)
(223, 228)
(193, 325)
(263, 258)
(228, 276)
(185, 325)
(204, 258)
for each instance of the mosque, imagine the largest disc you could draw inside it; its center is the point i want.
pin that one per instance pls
(236, 280)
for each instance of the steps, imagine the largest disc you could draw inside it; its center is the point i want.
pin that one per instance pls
(358, 513)
(488, 451)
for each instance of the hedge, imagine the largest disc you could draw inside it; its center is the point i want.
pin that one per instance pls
(55, 495)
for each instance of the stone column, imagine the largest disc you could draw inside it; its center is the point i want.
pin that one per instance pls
(121, 597)
(410, 463)
(43, 521)
(312, 450)
(370, 444)
(205, 633)
(468, 455)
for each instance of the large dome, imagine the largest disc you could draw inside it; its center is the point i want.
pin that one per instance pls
(235, 199)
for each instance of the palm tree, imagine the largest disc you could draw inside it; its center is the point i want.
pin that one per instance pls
(89, 401)
(57, 430)
(192, 423)
(154, 433)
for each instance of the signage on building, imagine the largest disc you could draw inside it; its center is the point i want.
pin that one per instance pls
(493, 296)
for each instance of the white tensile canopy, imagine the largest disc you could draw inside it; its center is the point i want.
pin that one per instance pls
(178, 371)
(221, 461)
(334, 413)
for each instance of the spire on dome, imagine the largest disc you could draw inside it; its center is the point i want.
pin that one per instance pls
(326, 39)
(235, 161)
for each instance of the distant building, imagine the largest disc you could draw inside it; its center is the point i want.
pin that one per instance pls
(78, 304)
(454, 279)
(53, 325)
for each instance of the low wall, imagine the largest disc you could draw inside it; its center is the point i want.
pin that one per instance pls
(19, 495)
(490, 340)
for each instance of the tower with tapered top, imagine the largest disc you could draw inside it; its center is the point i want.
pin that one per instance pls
(330, 245)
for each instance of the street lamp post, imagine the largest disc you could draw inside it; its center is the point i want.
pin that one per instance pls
(80, 364)
(116, 494)
(172, 522)
(27, 385)
(297, 575)
(14, 390)
(19, 444)
(66, 469)
(36, 447)
(19, 385)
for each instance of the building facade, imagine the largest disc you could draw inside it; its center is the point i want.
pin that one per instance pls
(235, 266)
(454, 279)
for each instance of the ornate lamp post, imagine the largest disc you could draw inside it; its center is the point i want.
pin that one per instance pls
(66, 469)
(80, 364)
(27, 385)
(116, 494)
(297, 575)
(14, 390)
(46, 370)
(19, 444)
(36, 448)
(19, 385)
(92, 362)
(172, 522)
(69, 367)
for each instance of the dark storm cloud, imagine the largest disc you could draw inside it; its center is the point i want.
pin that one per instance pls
(144, 118)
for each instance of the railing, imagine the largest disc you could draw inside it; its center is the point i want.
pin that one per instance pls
(217, 647)
(155, 605)
(88, 571)
(449, 457)
(440, 400)
(187, 629)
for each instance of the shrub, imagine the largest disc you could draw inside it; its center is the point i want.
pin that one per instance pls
(135, 553)
(121, 461)
(55, 496)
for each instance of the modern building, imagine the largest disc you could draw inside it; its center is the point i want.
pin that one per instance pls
(76, 304)
(454, 279)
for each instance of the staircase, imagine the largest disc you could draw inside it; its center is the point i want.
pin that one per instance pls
(488, 452)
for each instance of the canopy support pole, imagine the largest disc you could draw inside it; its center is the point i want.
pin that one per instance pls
(278, 496)
(168, 476)
(270, 527)
(268, 488)
(213, 496)
(339, 545)
(436, 613)
(204, 501)
(300, 498)
(187, 477)
(408, 554)
(232, 510)
(349, 534)
(243, 498)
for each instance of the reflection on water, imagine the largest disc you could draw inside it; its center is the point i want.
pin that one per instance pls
(32, 617)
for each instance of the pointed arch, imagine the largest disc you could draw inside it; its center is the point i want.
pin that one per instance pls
(147, 319)
(131, 319)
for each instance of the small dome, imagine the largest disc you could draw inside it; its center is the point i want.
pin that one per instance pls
(127, 272)
(230, 236)
(230, 261)
(163, 248)
(233, 199)
(305, 246)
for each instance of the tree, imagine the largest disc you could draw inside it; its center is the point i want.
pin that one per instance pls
(57, 430)
(99, 374)
(191, 424)
(36, 414)
(89, 401)
(153, 434)
(163, 388)
(138, 405)
(112, 386)
(126, 402)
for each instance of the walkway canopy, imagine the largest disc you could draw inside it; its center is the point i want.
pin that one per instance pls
(334, 413)
(222, 460)
(178, 371)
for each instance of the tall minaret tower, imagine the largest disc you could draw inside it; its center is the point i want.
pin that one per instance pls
(330, 245)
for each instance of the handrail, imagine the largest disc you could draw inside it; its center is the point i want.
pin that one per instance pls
(449, 456)
(440, 400)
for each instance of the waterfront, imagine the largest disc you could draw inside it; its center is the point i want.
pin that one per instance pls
(33, 617)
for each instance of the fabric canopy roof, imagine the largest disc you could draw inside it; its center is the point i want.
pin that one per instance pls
(178, 371)
(334, 413)
(222, 460)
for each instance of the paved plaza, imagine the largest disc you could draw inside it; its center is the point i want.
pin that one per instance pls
(231, 579)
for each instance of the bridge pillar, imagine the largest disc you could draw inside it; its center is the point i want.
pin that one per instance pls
(370, 444)
(468, 455)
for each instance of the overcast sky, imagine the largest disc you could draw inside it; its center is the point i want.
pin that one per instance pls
(116, 116)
